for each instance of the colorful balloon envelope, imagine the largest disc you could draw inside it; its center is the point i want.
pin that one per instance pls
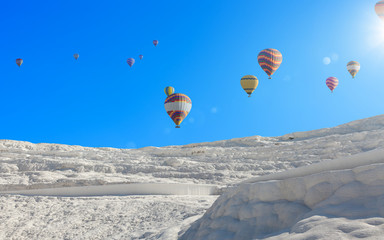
(269, 60)
(76, 56)
(130, 61)
(249, 84)
(19, 61)
(141, 57)
(178, 106)
(379, 9)
(353, 68)
(169, 90)
(332, 83)
(155, 42)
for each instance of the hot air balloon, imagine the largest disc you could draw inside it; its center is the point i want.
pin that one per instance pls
(178, 106)
(19, 61)
(141, 57)
(155, 42)
(379, 9)
(269, 60)
(169, 90)
(353, 68)
(332, 83)
(76, 56)
(130, 61)
(249, 84)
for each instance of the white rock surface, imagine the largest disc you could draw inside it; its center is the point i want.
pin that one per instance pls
(25, 165)
(122, 189)
(109, 217)
(44, 167)
(287, 208)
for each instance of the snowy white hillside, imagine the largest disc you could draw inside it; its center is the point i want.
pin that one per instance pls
(27, 165)
(109, 217)
(345, 203)
(46, 189)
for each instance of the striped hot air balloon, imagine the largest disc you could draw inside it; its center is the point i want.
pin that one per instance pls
(353, 68)
(379, 9)
(269, 60)
(141, 57)
(155, 42)
(332, 83)
(130, 61)
(169, 90)
(19, 61)
(76, 56)
(178, 106)
(249, 84)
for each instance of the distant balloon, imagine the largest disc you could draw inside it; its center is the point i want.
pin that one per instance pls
(178, 106)
(353, 68)
(155, 42)
(76, 56)
(269, 60)
(19, 61)
(249, 84)
(379, 9)
(169, 90)
(141, 57)
(332, 83)
(130, 61)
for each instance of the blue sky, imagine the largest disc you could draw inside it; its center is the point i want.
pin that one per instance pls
(205, 47)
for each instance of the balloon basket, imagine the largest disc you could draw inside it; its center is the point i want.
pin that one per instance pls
(249, 95)
(177, 126)
(270, 78)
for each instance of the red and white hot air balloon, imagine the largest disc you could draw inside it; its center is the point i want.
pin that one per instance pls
(332, 83)
(19, 61)
(379, 9)
(178, 106)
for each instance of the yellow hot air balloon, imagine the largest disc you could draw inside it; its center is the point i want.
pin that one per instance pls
(169, 90)
(249, 84)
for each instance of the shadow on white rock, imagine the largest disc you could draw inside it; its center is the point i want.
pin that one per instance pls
(276, 208)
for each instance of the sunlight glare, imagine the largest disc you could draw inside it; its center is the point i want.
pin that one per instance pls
(377, 38)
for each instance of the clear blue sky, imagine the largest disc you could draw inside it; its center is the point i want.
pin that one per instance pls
(205, 47)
